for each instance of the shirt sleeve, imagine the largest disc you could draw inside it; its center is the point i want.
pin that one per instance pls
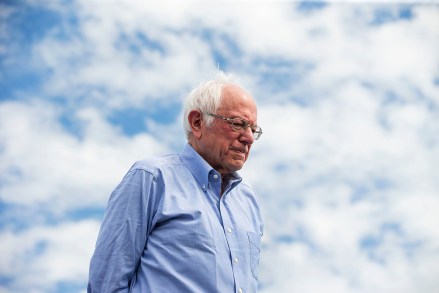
(123, 234)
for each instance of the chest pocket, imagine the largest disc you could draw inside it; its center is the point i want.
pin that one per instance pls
(255, 251)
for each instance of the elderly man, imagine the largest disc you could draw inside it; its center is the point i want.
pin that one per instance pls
(187, 222)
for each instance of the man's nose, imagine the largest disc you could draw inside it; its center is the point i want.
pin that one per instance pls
(247, 136)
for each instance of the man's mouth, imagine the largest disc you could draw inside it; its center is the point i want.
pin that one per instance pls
(241, 151)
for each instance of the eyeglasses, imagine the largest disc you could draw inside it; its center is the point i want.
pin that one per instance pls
(240, 124)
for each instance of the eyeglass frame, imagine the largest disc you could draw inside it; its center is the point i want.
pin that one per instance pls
(255, 129)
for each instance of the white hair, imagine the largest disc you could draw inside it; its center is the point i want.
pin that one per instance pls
(206, 98)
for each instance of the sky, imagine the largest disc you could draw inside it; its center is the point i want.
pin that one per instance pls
(347, 168)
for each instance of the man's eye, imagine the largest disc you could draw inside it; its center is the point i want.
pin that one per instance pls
(239, 123)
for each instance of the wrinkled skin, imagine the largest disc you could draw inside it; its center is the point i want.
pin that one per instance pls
(225, 149)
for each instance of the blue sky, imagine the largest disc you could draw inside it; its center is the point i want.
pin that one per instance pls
(348, 98)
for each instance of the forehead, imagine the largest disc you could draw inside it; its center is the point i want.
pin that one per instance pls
(236, 101)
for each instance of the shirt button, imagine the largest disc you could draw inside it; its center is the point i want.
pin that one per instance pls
(229, 230)
(236, 259)
(215, 176)
(240, 290)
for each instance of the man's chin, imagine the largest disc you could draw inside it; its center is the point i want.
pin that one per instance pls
(235, 166)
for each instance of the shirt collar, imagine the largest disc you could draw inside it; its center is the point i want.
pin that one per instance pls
(199, 168)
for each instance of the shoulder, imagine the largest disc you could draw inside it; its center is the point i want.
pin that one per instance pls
(247, 189)
(156, 165)
(248, 195)
(246, 185)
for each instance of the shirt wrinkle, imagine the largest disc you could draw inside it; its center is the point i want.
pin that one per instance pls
(180, 236)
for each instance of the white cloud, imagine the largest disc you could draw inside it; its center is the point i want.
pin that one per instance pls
(349, 152)
(123, 55)
(44, 164)
(43, 256)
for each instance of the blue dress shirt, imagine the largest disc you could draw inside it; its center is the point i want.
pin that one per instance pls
(167, 229)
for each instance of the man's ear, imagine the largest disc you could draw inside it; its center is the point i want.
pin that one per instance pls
(195, 119)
